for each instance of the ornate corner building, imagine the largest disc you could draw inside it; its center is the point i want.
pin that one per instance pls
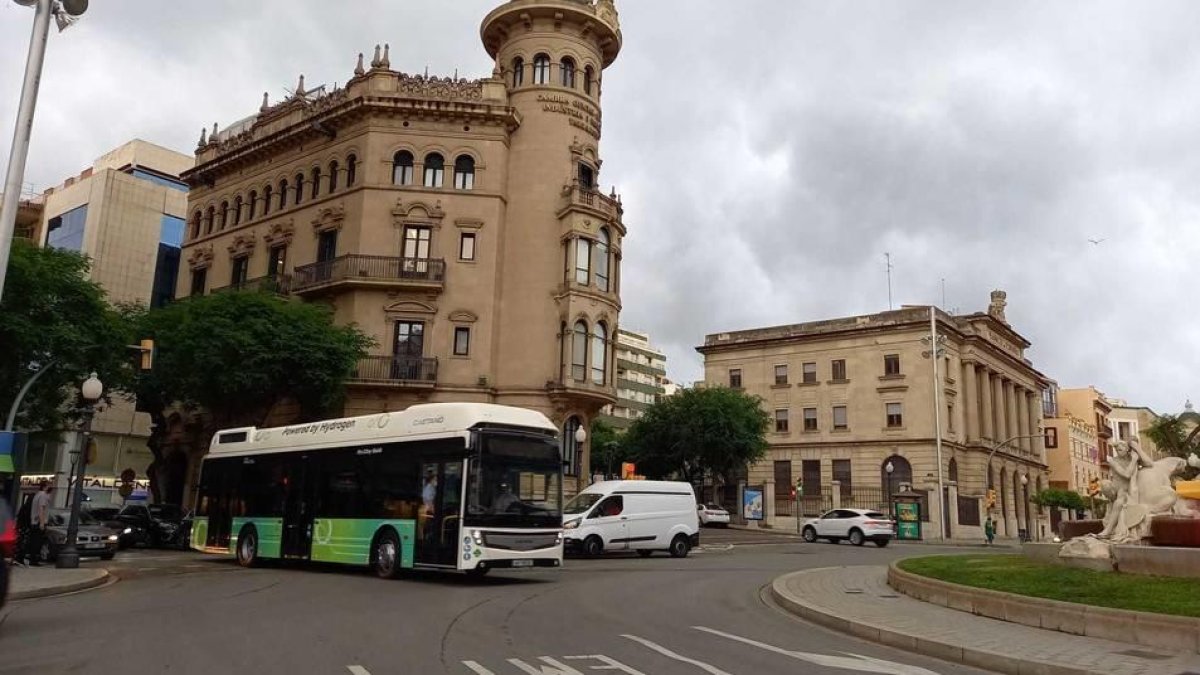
(458, 222)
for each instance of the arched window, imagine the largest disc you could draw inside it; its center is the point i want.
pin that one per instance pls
(579, 348)
(283, 193)
(600, 354)
(299, 188)
(237, 211)
(589, 74)
(901, 474)
(587, 177)
(541, 69)
(464, 173)
(268, 192)
(435, 170)
(402, 168)
(351, 170)
(583, 258)
(518, 71)
(572, 454)
(196, 217)
(602, 246)
(568, 72)
(253, 205)
(316, 182)
(953, 470)
(224, 215)
(209, 218)
(333, 170)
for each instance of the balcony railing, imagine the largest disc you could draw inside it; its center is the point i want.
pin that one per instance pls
(280, 284)
(412, 371)
(373, 269)
(589, 197)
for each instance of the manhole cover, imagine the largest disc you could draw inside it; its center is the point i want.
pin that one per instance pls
(1139, 654)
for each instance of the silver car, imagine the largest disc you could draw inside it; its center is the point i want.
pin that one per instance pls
(92, 538)
(856, 525)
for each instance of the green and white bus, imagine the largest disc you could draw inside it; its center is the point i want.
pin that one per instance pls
(448, 486)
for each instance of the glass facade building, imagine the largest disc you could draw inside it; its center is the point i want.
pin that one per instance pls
(65, 231)
(166, 269)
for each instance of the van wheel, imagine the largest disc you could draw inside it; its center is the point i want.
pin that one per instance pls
(247, 547)
(645, 552)
(593, 546)
(679, 546)
(856, 537)
(810, 535)
(385, 555)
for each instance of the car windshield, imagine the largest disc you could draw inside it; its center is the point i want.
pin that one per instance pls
(581, 503)
(165, 512)
(60, 518)
(515, 480)
(874, 515)
(133, 511)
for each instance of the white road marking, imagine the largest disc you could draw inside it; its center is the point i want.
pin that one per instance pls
(711, 670)
(862, 664)
(358, 670)
(556, 667)
(609, 664)
(476, 668)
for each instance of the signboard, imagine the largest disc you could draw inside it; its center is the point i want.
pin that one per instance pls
(752, 503)
(908, 520)
(8, 443)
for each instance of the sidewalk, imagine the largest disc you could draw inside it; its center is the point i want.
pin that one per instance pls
(38, 582)
(857, 600)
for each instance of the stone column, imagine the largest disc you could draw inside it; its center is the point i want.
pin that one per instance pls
(768, 504)
(1000, 424)
(836, 486)
(1035, 424)
(952, 509)
(971, 402)
(1010, 410)
(985, 390)
(1022, 403)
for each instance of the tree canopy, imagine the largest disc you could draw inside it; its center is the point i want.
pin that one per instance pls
(52, 313)
(1057, 498)
(1175, 435)
(697, 433)
(608, 448)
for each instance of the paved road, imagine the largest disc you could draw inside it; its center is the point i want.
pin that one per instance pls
(704, 615)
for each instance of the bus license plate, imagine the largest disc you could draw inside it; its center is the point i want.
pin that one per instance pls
(522, 563)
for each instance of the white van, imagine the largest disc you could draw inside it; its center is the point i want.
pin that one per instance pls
(632, 515)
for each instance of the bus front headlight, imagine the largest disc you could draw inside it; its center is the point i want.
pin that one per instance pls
(477, 535)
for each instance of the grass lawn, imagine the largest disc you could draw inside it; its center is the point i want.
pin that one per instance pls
(1018, 574)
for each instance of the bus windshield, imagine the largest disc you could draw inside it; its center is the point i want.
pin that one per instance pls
(515, 480)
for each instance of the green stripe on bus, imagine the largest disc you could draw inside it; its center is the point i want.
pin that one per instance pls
(270, 535)
(199, 533)
(349, 540)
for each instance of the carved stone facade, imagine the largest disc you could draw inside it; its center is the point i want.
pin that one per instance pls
(431, 213)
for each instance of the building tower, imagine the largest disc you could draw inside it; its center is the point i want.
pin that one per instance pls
(552, 54)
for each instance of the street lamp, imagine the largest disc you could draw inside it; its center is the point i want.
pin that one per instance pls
(889, 468)
(65, 13)
(91, 391)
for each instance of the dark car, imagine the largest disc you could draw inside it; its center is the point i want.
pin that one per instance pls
(103, 513)
(92, 538)
(148, 525)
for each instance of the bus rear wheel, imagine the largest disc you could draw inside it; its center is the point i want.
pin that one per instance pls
(385, 556)
(247, 547)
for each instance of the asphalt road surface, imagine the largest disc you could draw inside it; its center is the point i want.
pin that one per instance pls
(180, 613)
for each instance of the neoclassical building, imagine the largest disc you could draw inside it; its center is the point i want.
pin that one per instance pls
(459, 222)
(850, 397)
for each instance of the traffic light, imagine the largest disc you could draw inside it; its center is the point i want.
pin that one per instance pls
(991, 499)
(799, 487)
(147, 349)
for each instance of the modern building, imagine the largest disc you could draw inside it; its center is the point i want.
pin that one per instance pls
(852, 397)
(127, 213)
(641, 378)
(458, 222)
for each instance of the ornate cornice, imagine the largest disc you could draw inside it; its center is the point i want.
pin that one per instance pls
(329, 218)
(281, 233)
(404, 212)
(243, 245)
(201, 257)
(463, 316)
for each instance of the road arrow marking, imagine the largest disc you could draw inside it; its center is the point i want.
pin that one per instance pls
(862, 664)
(711, 670)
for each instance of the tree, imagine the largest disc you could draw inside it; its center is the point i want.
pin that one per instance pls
(608, 449)
(232, 359)
(699, 432)
(1062, 499)
(53, 315)
(1176, 435)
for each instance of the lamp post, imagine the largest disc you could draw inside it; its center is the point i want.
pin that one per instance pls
(90, 392)
(64, 13)
(935, 352)
(1025, 495)
(889, 468)
(580, 437)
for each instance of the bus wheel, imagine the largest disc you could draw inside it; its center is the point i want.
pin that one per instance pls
(385, 557)
(679, 546)
(593, 546)
(247, 547)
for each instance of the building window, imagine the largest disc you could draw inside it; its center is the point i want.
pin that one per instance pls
(781, 374)
(277, 261)
(781, 421)
(466, 246)
(600, 354)
(464, 173)
(1051, 437)
(895, 415)
(333, 172)
(518, 71)
(838, 368)
(541, 69)
(196, 217)
(268, 193)
(351, 170)
(224, 215)
(283, 193)
(462, 341)
(237, 211)
(810, 419)
(602, 247)
(587, 177)
(583, 257)
(809, 373)
(589, 74)
(417, 241)
(1123, 430)
(253, 205)
(735, 378)
(299, 189)
(568, 73)
(316, 182)
(402, 168)
(891, 364)
(199, 277)
(579, 346)
(238, 276)
(843, 474)
(210, 217)
(840, 420)
(950, 417)
(166, 265)
(435, 170)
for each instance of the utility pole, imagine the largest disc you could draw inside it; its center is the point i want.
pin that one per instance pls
(888, 257)
(935, 352)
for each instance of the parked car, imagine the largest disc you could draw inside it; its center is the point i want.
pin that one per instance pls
(103, 513)
(856, 525)
(711, 514)
(632, 515)
(147, 524)
(92, 538)
(8, 545)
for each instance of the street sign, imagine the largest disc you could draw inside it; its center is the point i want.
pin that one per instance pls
(752, 503)
(908, 520)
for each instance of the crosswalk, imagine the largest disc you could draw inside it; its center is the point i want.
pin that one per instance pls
(636, 661)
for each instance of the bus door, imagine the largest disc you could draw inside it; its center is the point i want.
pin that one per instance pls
(297, 510)
(441, 512)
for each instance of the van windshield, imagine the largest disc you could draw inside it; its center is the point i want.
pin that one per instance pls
(581, 503)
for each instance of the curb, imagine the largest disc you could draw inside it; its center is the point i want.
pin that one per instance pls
(61, 589)
(956, 653)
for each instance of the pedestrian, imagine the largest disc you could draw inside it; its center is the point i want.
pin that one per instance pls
(989, 530)
(39, 518)
(23, 525)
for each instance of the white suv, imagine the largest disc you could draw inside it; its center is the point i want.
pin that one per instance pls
(857, 525)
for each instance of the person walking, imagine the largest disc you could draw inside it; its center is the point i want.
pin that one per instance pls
(39, 518)
(23, 526)
(989, 530)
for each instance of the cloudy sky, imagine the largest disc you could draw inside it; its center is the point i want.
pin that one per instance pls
(770, 152)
